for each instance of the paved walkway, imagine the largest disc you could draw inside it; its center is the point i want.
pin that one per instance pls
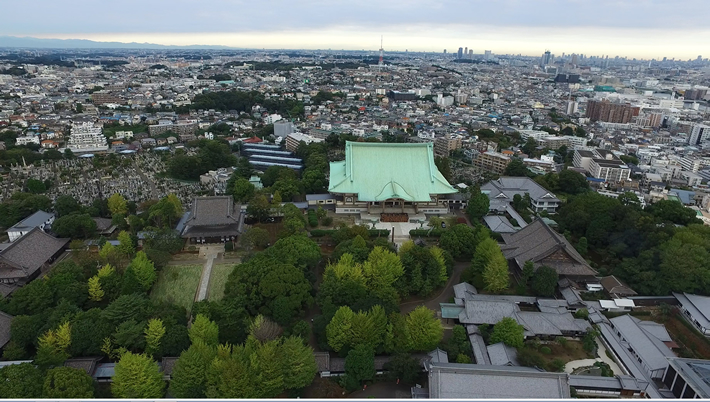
(210, 253)
(601, 350)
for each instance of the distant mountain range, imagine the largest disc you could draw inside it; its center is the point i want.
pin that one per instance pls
(37, 43)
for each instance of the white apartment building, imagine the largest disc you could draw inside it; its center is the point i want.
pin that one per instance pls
(698, 133)
(602, 164)
(272, 118)
(29, 139)
(86, 137)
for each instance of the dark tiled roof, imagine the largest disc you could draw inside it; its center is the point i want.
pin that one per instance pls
(210, 211)
(88, 364)
(5, 320)
(540, 244)
(614, 286)
(28, 253)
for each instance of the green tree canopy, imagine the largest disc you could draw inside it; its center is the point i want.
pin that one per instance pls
(360, 365)
(544, 281)
(509, 332)
(68, 383)
(21, 381)
(424, 329)
(137, 376)
(189, 378)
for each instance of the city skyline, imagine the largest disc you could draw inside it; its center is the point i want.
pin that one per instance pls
(650, 29)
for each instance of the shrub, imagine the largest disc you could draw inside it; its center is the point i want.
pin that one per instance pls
(582, 313)
(327, 221)
(426, 232)
(562, 341)
(462, 358)
(228, 246)
(312, 218)
(530, 358)
(556, 365)
(545, 350)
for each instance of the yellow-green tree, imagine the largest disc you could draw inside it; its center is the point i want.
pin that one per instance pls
(95, 292)
(53, 345)
(204, 330)
(125, 245)
(137, 376)
(144, 270)
(495, 273)
(117, 204)
(424, 329)
(154, 332)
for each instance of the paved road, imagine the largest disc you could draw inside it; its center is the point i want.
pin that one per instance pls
(210, 253)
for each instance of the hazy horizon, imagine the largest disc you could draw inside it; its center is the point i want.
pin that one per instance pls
(636, 29)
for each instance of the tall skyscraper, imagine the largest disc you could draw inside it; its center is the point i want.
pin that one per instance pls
(459, 55)
(487, 55)
(546, 58)
(470, 54)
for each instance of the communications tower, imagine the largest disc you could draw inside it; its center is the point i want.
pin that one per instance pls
(382, 54)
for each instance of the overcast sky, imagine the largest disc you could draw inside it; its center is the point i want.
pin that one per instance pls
(635, 28)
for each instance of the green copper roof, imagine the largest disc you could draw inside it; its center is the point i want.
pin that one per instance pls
(377, 172)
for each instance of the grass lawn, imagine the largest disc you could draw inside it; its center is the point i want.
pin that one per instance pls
(177, 284)
(218, 280)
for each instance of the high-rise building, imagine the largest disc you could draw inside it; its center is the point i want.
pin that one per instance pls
(546, 59)
(465, 51)
(698, 133)
(611, 112)
(459, 55)
(487, 55)
(86, 137)
(470, 54)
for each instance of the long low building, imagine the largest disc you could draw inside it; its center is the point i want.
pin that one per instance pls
(475, 381)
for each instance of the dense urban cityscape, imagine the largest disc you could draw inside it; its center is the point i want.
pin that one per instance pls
(236, 223)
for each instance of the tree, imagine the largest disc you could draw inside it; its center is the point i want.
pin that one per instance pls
(477, 206)
(243, 190)
(21, 381)
(298, 362)
(154, 332)
(266, 364)
(144, 270)
(672, 211)
(528, 272)
(544, 282)
(460, 241)
(68, 383)
(74, 226)
(255, 237)
(360, 365)
(189, 379)
(572, 182)
(65, 205)
(444, 167)
(35, 186)
(117, 204)
(509, 332)
(516, 167)
(582, 246)
(204, 330)
(137, 376)
(424, 329)
(530, 146)
(259, 208)
(125, 245)
(382, 269)
(53, 346)
(95, 292)
(339, 331)
(495, 274)
(405, 368)
(166, 211)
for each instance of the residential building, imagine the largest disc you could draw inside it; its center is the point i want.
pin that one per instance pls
(444, 145)
(86, 137)
(611, 112)
(502, 191)
(283, 128)
(181, 128)
(602, 164)
(698, 133)
(27, 139)
(294, 139)
(493, 161)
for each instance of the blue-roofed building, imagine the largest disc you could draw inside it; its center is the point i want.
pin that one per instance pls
(38, 219)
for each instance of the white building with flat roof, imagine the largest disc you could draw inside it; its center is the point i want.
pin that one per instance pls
(86, 137)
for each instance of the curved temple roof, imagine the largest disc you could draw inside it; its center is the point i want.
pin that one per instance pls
(377, 172)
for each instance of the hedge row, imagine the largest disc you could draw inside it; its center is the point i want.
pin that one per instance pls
(371, 232)
(426, 232)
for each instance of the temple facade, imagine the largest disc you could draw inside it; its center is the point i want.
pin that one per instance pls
(388, 178)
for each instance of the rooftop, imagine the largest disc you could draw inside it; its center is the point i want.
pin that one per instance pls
(381, 171)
